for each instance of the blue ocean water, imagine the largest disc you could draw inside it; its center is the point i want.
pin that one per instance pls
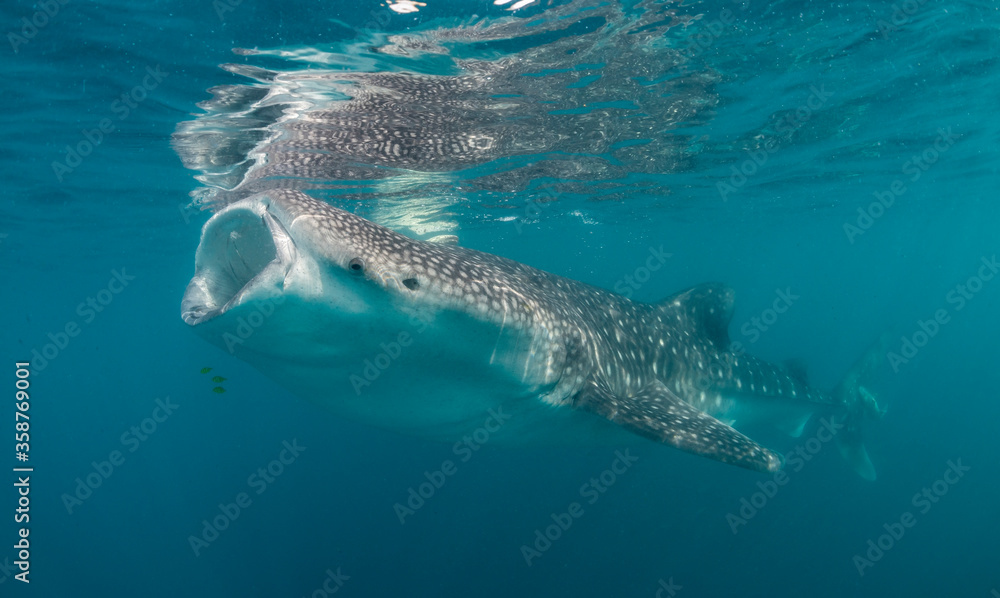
(836, 163)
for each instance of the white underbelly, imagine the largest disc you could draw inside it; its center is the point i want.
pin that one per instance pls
(441, 380)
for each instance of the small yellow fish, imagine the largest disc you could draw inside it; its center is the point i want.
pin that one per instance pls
(219, 389)
(218, 379)
(206, 370)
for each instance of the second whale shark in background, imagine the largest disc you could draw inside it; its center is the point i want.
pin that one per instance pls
(427, 338)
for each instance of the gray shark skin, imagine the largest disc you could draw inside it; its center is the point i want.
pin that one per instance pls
(427, 338)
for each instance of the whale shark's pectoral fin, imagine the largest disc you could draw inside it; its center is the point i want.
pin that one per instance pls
(657, 413)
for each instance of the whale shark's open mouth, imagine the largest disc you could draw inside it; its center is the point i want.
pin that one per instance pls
(243, 250)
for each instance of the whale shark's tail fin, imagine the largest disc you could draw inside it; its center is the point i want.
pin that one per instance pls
(860, 406)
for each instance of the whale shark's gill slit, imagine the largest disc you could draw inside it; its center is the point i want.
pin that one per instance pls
(503, 324)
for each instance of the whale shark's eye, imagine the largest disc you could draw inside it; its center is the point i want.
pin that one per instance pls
(357, 265)
(411, 283)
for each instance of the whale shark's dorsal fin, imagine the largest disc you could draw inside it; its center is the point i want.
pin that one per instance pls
(658, 414)
(707, 307)
(797, 369)
(444, 239)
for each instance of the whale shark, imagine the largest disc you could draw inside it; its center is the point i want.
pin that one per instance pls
(427, 338)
